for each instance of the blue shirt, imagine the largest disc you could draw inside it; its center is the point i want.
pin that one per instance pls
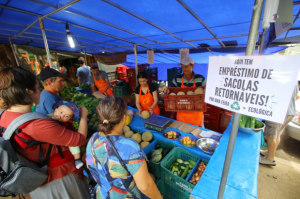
(47, 99)
(84, 72)
(199, 79)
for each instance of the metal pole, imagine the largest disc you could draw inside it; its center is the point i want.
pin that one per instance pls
(13, 49)
(85, 57)
(136, 65)
(256, 15)
(57, 64)
(45, 42)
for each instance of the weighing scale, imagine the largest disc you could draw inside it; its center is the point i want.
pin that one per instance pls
(157, 123)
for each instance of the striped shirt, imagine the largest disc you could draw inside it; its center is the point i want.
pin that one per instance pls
(199, 79)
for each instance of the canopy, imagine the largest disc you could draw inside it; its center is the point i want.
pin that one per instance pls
(111, 26)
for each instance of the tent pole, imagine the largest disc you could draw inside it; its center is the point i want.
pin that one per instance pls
(45, 42)
(256, 16)
(85, 61)
(136, 65)
(57, 64)
(13, 49)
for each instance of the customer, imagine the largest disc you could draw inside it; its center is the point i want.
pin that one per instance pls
(115, 180)
(273, 132)
(83, 72)
(146, 95)
(53, 84)
(99, 81)
(19, 90)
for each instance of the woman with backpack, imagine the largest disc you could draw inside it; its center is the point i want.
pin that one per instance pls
(19, 91)
(117, 163)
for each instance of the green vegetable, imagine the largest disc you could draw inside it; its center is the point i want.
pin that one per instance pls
(189, 171)
(165, 152)
(258, 124)
(156, 152)
(252, 122)
(184, 174)
(182, 167)
(175, 173)
(157, 146)
(179, 160)
(156, 158)
(85, 86)
(243, 121)
(192, 162)
(186, 162)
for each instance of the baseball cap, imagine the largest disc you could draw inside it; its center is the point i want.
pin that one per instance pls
(187, 61)
(50, 72)
(71, 105)
(81, 59)
(94, 65)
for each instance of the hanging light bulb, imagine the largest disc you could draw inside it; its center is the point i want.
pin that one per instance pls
(70, 38)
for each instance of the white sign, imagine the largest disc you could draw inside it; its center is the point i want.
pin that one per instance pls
(281, 28)
(150, 55)
(184, 52)
(258, 86)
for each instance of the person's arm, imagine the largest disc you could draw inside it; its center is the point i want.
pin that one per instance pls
(145, 183)
(79, 80)
(154, 93)
(137, 103)
(108, 85)
(94, 89)
(83, 127)
(298, 95)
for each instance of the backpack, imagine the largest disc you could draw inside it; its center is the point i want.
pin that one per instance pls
(17, 173)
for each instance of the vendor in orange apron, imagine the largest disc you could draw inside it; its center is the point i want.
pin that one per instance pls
(147, 101)
(101, 84)
(194, 118)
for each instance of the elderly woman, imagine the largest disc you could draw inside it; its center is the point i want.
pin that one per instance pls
(19, 91)
(117, 163)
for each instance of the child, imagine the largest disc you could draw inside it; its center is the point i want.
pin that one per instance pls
(65, 112)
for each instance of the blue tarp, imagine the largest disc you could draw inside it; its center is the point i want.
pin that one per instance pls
(115, 25)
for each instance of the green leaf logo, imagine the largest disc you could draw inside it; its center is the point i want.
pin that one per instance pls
(235, 106)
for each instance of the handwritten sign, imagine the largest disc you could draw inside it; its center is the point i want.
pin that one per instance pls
(184, 52)
(150, 56)
(258, 86)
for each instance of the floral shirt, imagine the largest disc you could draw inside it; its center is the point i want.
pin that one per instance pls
(113, 181)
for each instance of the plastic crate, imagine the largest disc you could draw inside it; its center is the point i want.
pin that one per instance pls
(155, 167)
(120, 91)
(129, 99)
(170, 192)
(186, 103)
(171, 179)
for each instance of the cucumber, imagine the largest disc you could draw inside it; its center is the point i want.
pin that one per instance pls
(189, 171)
(180, 161)
(182, 167)
(192, 162)
(184, 174)
(175, 173)
(190, 166)
(186, 162)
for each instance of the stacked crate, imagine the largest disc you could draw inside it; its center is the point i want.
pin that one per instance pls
(212, 117)
(131, 80)
(121, 73)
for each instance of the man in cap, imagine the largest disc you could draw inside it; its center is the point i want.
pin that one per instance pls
(53, 84)
(83, 72)
(189, 79)
(99, 80)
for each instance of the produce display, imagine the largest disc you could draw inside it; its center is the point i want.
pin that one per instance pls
(145, 114)
(142, 139)
(209, 148)
(157, 154)
(68, 92)
(85, 86)
(188, 141)
(198, 173)
(172, 135)
(250, 122)
(182, 168)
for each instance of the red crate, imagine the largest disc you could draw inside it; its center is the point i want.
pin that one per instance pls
(122, 75)
(185, 103)
(212, 108)
(122, 69)
(130, 72)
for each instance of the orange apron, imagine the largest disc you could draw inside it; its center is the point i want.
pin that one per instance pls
(194, 118)
(147, 100)
(101, 84)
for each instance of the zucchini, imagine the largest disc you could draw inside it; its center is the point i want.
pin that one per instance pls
(189, 171)
(192, 162)
(190, 166)
(175, 173)
(179, 160)
(182, 167)
(186, 162)
(184, 174)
